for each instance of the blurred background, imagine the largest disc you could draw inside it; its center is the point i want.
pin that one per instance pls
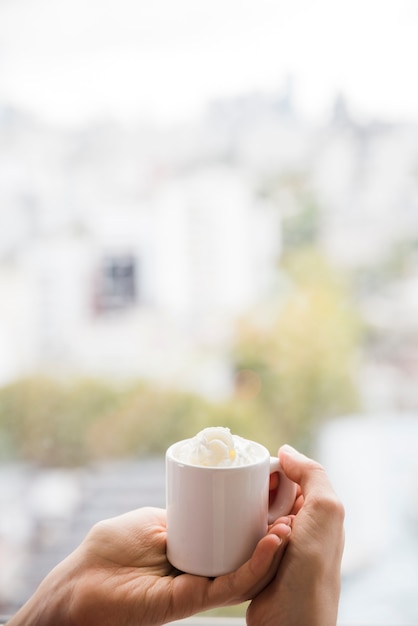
(209, 216)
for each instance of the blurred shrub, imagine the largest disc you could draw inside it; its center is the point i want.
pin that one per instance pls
(294, 366)
(69, 423)
(46, 420)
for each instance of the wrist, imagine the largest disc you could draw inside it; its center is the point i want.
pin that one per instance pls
(37, 610)
(48, 606)
(321, 601)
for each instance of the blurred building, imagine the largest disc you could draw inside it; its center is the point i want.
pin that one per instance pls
(131, 251)
(119, 265)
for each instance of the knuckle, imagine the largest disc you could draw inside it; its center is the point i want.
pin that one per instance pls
(98, 530)
(329, 504)
(335, 507)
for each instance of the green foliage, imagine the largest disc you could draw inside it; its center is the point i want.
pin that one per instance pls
(51, 422)
(298, 206)
(46, 420)
(294, 368)
(301, 228)
(398, 262)
(304, 352)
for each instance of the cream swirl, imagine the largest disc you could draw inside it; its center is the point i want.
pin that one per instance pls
(217, 447)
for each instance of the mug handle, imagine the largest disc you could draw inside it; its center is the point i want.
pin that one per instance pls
(286, 493)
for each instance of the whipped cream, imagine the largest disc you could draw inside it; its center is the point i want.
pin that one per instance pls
(217, 447)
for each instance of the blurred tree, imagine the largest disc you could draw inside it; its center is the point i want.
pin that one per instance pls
(399, 261)
(294, 361)
(298, 206)
(299, 359)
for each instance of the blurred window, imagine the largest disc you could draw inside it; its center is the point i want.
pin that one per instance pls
(117, 283)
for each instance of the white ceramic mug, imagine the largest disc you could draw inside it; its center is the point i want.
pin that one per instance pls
(217, 515)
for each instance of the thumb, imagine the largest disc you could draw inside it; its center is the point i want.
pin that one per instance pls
(194, 594)
(300, 468)
(315, 485)
(249, 580)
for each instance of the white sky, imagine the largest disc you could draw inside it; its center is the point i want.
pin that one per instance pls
(74, 59)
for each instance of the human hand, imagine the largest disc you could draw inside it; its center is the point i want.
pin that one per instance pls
(119, 575)
(306, 588)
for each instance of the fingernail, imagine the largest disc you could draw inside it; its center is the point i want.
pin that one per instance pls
(289, 450)
(286, 530)
(285, 526)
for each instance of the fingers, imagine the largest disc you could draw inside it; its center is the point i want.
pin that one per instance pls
(307, 473)
(297, 466)
(315, 487)
(270, 547)
(257, 572)
(194, 594)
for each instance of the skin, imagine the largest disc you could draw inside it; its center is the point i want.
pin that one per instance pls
(120, 575)
(306, 588)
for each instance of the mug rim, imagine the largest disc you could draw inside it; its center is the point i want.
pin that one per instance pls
(169, 456)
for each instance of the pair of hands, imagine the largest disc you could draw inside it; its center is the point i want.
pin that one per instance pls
(120, 574)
